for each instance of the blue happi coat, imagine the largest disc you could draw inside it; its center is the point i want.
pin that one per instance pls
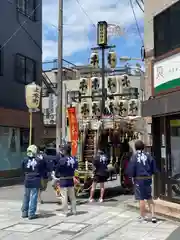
(33, 168)
(141, 167)
(100, 163)
(65, 169)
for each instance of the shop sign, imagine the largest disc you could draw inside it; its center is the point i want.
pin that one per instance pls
(167, 74)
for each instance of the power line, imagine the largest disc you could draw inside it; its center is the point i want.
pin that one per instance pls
(136, 21)
(84, 11)
(139, 5)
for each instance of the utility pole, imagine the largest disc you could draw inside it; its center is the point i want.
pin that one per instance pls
(59, 77)
(103, 81)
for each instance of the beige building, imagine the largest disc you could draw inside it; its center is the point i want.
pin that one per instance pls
(162, 85)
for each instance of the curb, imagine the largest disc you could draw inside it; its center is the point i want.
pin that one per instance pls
(6, 182)
(166, 216)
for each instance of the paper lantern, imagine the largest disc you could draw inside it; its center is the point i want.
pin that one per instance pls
(33, 95)
(94, 60)
(112, 59)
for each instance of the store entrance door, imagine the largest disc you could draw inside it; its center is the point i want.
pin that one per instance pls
(173, 157)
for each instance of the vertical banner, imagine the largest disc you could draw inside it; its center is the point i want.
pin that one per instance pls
(73, 125)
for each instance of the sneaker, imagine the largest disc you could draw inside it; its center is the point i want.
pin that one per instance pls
(100, 200)
(142, 219)
(154, 220)
(68, 214)
(33, 217)
(24, 215)
(91, 200)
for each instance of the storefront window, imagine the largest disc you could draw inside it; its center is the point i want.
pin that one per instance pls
(12, 148)
(175, 156)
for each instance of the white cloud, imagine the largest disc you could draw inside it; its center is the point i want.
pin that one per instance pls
(77, 25)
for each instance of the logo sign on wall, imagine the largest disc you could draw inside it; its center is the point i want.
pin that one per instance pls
(167, 74)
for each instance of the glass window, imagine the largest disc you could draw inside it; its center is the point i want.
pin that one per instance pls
(175, 156)
(25, 69)
(174, 19)
(175, 146)
(30, 9)
(21, 6)
(1, 61)
(30, 71)
(24, 139)
(166, 35)
(20, 69)
(27, 7)
(161, 33)
(13, 147)
(10, 151)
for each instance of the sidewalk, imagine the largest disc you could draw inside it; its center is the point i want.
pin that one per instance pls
(162, 208)
(92, 222)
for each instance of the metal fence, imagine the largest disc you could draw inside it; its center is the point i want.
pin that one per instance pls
(53, 64)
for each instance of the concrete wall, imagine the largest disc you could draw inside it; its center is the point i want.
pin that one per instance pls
(12, 93)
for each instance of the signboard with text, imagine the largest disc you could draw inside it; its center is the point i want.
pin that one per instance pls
(167, 74)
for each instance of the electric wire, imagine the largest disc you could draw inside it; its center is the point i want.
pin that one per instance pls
(139, 5)
(136, 21)
(84, 11)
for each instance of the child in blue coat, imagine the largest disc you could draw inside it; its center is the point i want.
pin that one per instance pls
(141, 168)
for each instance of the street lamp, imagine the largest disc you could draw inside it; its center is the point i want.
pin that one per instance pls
(33, 94)
(126, 59)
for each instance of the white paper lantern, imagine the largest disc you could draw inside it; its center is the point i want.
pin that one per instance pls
(33, 95)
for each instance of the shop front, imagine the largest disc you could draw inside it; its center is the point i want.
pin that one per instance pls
(164, 107)
(14, 140)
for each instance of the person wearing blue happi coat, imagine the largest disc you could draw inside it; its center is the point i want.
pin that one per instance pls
(141, 168)
(33, 168)
(65, 169)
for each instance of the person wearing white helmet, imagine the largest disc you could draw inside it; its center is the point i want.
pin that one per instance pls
(33, 169)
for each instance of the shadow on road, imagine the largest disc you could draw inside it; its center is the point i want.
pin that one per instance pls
(45, 214)
(110, 193)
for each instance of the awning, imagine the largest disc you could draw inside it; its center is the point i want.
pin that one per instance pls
(162, 105)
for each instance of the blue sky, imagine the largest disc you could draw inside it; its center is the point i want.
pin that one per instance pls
(80, 29)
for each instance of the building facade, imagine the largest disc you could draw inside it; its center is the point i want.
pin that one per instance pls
(49, 99)
(20, 64)
(162, 85)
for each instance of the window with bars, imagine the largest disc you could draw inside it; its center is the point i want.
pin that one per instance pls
(166, 34)
(25, 69)
(27, 7)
